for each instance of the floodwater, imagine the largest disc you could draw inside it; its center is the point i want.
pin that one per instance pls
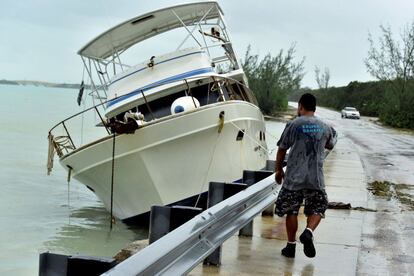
(42, 213)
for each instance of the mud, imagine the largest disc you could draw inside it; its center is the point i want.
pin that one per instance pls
(389, 190)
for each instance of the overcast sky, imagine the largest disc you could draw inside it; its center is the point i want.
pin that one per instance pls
(40, 38)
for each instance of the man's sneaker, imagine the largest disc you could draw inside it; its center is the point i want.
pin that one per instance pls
(307, 239)
(289, 250)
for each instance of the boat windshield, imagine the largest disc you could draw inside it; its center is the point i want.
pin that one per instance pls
(350, 109)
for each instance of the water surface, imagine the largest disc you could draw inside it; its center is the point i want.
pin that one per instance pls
(42, 213)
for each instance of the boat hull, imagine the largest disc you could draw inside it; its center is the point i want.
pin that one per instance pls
(173, 159)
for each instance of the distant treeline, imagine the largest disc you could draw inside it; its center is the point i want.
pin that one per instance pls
(375, 98)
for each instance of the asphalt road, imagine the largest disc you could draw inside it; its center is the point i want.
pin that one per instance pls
(388, 157)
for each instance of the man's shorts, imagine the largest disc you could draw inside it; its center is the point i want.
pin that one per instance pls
(288, 202)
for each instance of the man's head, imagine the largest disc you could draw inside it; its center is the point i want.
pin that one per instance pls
(306, 105)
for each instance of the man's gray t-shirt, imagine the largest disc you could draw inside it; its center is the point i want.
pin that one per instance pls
(307, 137)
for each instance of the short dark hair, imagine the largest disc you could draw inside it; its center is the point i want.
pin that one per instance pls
(308, 101)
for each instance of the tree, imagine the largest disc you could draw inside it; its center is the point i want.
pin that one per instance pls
(392, 61)
(322, 79)
(273, 77)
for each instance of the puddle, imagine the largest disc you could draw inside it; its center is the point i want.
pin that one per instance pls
(389, 190)
(404, 259)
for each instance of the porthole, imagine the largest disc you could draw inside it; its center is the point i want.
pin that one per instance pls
(240, 135)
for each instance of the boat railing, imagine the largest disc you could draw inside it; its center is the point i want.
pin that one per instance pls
(62, 137)
(64, 143)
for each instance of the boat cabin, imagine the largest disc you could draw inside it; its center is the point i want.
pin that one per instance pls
(205, 71)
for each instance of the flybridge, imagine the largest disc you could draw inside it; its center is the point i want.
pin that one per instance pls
(137, 29)
(204, 28)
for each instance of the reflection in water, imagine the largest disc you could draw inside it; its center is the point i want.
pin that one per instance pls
(288, 266)
(307, 270)
(88, 233)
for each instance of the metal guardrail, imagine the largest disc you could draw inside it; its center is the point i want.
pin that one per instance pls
(181, 250)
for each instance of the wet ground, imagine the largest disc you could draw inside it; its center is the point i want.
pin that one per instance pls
(387, 156)
(372, 169)
(337, 239)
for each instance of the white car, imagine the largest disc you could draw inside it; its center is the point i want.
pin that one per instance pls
(350, 112)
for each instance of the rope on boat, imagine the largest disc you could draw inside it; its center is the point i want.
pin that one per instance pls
(112, 180)
(57, 145)
(50, 153)
(274, 137)
(220, 127)
(251, 138)
(69, 177)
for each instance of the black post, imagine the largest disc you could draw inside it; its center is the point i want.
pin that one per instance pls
(217, 192)
(251, 178)
(164, 219)
(159, 222)
(215, 195)
(51, 264)
(270, 166)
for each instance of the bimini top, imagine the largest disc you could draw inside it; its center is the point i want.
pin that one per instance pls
(137, 29)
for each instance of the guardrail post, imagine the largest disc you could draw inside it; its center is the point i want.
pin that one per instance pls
(217, 192)
(159, 222)
(51, 264)
(251, 178)
(270, 166)
(164, 219)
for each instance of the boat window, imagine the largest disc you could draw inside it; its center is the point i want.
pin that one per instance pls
(155, 109)
(207, 93)
(236, 93)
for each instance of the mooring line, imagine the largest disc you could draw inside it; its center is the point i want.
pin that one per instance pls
(112, 180)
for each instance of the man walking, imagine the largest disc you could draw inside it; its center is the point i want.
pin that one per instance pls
(307, 137)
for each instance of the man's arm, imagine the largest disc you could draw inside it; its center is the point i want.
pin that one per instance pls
(280, 157)
(332, 139)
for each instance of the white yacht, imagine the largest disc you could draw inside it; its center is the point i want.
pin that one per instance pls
(167, 126)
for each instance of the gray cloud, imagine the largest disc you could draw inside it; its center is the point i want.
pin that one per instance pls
(39, 39)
